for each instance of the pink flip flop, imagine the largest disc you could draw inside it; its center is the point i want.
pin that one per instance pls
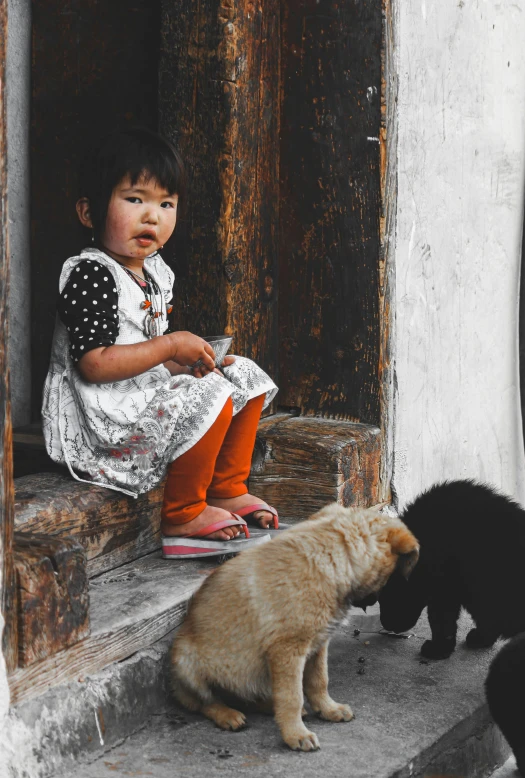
(190, 547)
(248, 511)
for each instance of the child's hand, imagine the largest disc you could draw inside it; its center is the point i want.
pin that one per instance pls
(190, 350)
(198, 372)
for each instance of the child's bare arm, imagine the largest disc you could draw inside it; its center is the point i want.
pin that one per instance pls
(118, 362)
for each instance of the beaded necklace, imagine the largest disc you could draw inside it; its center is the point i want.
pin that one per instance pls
(151, 292)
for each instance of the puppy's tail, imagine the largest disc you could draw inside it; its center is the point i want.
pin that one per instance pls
(188, 685)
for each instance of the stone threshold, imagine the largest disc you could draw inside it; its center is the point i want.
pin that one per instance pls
(90, 697)
(414, 719)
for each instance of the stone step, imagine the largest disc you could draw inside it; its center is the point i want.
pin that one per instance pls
(108, 685)
(414, 719)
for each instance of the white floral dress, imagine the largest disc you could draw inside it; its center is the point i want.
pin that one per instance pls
(122, 435)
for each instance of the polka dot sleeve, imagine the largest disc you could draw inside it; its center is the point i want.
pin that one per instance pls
(88, 306)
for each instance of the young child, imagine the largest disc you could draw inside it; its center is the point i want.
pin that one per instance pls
(123, 402)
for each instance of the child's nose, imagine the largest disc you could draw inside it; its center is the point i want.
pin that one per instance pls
(151, 215)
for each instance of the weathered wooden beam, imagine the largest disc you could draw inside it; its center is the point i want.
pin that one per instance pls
(218, 101)
(53, 597)
(329, 208)
(112, 527)
(131, 608)
(301, 464)
(7, 577)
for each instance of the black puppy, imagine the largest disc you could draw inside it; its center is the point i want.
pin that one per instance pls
(472, 555)
(505, 688)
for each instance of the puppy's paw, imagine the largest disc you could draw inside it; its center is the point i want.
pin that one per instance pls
(306, 741)
(477, 639)
(230, 719)
(432, 649)
(337, 713)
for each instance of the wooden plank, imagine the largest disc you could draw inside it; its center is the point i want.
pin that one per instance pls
(94, 68)
(330, 207)
(131, 608)
(219, 85)
(112, 527)
(302, 463)
(53, 598)
(7, 574)
(251, 236)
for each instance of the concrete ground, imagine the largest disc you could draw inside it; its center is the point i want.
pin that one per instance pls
(413, 718)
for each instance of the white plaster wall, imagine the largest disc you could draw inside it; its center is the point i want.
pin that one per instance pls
(461, 153)
(18, 102)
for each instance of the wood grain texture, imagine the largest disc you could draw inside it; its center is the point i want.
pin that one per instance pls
(329, 208)
(219, 91)
(94, 69)
(53, 598)
(112, 528)
(131, 608)
(301, 464)
(7, 574)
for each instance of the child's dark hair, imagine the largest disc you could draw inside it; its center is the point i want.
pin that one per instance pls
(133, 152)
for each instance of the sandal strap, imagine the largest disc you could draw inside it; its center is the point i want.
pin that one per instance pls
(260, 506)
(236, 521)
(249, 510)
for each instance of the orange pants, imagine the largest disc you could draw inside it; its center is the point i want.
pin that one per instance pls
(216, 466)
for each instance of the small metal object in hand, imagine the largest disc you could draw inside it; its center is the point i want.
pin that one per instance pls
(198, 363)
(220, 345)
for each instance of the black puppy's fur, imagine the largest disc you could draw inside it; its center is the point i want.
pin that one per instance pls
(472, 555)
(505, 688)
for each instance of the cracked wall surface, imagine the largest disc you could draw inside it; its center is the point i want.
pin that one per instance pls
(461, 144)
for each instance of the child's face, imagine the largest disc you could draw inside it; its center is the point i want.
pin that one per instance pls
(140, 219)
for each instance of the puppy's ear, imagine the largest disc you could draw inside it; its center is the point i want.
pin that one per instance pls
(403, 543)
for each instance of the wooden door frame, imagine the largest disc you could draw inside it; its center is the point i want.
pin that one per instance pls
(388, 145)
(7, 589)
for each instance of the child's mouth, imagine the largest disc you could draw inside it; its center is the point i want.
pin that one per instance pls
(146, 239)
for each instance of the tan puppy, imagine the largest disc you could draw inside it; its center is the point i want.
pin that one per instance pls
(259, 626)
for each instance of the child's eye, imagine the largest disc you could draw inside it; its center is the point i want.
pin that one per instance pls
(167, 205)
(133, 199)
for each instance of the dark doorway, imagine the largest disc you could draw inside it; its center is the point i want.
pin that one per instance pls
(94, 68)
